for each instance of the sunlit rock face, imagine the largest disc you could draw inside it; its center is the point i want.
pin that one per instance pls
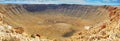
(54, 21)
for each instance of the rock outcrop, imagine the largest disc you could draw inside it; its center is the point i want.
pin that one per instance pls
(108, 30)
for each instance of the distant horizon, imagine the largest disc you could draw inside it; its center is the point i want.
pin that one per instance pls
(79, 2)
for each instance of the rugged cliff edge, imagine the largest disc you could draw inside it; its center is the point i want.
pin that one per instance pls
(108, 30)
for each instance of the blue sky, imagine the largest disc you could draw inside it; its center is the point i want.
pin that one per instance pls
(83, 2)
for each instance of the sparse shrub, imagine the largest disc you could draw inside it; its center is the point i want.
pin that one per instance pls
(32, 36)
(5, 40)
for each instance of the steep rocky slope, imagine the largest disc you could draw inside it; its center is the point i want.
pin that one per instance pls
(106, 31)
(10, 33)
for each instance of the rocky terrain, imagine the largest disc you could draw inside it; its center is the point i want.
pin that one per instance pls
(59, 23)
(10, 33)
(106, 31)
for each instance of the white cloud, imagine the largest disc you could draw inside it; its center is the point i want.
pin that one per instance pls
(110, 0)
(49, 1)
(73, 1)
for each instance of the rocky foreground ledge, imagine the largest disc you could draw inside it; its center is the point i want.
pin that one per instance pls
(7, 33)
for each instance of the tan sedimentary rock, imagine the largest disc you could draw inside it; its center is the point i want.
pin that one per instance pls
(108, 31)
